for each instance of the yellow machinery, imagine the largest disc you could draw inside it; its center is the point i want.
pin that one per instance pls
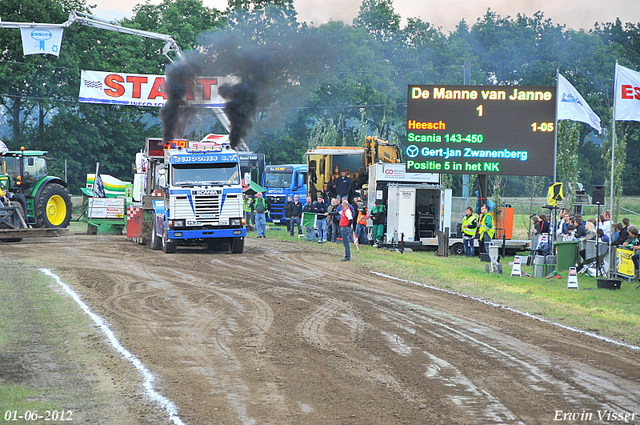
(326, 161)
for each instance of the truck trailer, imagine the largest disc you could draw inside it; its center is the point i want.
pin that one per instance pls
(420, 209)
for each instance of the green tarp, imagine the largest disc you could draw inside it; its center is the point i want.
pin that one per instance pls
(254, 188)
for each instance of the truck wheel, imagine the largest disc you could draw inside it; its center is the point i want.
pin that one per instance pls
(53, 209)
(457, 249)
(156, 242)
(168, 246)
(237, 245)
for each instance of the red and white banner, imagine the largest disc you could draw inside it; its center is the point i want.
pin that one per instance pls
(148, 90)
(627, 93)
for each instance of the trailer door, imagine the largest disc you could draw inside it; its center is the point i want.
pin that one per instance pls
(445, 209)
(401, 217)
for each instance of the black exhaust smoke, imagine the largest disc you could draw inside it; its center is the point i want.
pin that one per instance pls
(269, 72)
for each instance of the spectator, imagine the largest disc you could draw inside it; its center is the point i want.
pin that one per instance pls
(615, 232)
(310, 231)
(321, 210)
(633, 244)
(624, 233)
(361, 223)
(591, 231)
(331, 187)
(346, 217)
(335, 219)
(378, 218)
(541, 228)
(261, 210)
(287, 213)
(605, 223)
(296, 214)
(248, 206)
(325, 194)
(581, 231)
(602, 237)
(469, 228)
(563, 229)
(486, 230)
(343, 185)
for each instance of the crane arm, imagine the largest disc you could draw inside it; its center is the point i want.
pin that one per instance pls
(91, 21)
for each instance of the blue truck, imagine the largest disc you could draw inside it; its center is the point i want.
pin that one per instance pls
(200, 199)
(281, 181)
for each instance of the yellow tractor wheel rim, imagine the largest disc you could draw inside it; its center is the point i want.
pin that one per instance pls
(56, 210)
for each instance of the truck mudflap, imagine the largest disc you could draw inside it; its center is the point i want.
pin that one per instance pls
(206, 234)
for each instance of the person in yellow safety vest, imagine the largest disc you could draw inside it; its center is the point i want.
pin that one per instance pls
(247, 206)
(486, 229)
(469, 228)
(361, 223)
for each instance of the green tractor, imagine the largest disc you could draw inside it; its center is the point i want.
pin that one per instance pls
(42, 200)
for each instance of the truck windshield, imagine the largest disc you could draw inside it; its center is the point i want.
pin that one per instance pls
(205, 174)
(280, 179)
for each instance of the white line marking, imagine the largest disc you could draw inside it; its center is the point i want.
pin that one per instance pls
(513, 310)
(148, 377)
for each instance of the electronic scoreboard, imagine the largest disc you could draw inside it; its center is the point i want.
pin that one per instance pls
(481, 130)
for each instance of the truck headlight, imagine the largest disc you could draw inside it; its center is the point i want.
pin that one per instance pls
(178, 223)
(235, 222)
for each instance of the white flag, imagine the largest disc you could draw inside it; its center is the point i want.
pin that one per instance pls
(627, 95)
(43, 40)
(572, 106)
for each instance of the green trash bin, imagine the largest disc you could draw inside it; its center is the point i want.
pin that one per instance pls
(567, 254)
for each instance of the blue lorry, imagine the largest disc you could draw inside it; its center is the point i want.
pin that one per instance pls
(201, 197)
(281, 181)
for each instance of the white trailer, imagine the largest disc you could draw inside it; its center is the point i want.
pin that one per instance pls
(419, 209)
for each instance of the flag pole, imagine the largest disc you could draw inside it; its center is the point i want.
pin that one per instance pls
(613, 137)
(95, 178)
(555, 133)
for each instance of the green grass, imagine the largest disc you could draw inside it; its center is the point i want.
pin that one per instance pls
(612, 314)
(39, 323)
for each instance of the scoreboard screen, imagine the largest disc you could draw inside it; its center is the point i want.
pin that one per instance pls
(481, 130)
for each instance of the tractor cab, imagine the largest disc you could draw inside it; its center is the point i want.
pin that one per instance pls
(23, 169)
(44, 199)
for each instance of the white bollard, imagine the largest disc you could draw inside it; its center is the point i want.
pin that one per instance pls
(572, 281)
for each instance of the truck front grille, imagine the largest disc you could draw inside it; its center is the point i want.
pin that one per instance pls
(276, 199)
(207, 208)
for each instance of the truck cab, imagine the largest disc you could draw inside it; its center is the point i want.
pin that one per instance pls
(202, 198)
(280, 182)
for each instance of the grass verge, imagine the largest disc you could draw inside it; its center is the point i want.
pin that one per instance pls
(611, 314)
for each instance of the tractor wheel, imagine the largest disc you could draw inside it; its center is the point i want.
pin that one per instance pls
(237, 245)
(168, 246)
(156, 242)
(53, 209)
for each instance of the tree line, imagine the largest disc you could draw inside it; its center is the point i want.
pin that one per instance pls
(338, 82)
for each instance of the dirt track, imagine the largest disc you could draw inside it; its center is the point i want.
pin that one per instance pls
(279, 336)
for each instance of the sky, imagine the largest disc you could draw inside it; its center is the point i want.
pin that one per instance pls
(575, 14)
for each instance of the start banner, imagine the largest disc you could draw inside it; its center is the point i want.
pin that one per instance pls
(148, 90)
